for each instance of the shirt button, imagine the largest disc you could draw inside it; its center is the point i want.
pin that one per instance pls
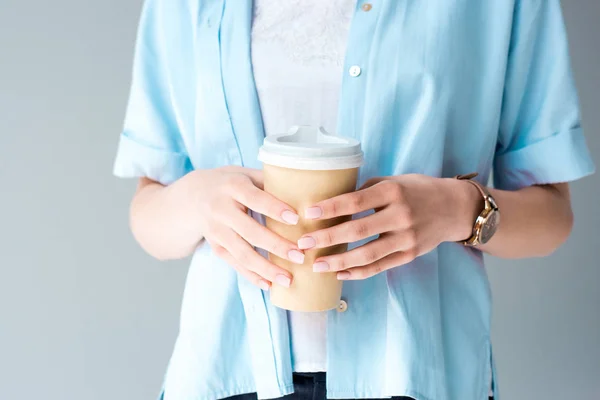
(367, 7)
(354, 70)
(343, 306)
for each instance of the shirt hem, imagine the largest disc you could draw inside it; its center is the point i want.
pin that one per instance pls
(280, 392)
(349, 394)
(237, 391)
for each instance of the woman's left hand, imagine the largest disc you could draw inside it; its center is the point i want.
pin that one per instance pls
(413, 215)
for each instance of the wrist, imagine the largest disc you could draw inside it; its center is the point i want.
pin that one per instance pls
(465, 206)
(185, 198)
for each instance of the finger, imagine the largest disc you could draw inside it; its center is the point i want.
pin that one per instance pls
(348, 232)
(256, 176)
(391, 261)
(259, 236)
(254, 278)
(364, 255)
(372, 182)
(248, 258)
(376, 196)
(265, 204)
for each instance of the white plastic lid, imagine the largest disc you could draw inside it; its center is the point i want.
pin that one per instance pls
(311, 148)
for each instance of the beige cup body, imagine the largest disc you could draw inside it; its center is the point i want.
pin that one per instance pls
(310, 291)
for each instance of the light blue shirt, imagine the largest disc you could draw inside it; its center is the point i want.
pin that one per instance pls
(445, 88)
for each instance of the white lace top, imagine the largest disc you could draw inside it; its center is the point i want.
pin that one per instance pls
(298, 49)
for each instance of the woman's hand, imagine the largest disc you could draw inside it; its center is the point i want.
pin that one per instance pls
(214, 204)
(413, 215)
(223, 197)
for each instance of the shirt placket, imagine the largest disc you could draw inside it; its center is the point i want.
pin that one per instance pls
(350, 121)
(267, 325)
(357, 70)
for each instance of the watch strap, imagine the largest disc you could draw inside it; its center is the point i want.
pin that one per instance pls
(473, 240)
(469, 178)
(478, 186)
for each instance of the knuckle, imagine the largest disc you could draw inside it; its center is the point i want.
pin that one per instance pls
(368, 255)
(376, 269)
(249, 234)
(332, 207)
(252, 240)
(357, 202)
(239, 185)
(411, 254)
(339, 263)
(219, 251)
(245, 258)
(409, 216)
(232, 181)
(405, 217)
(326, 238)
(360, 230)
(410, 239)
(394, 190)
(243, 197)
(397, 219)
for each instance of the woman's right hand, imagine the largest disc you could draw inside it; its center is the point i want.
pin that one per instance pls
(219, 200)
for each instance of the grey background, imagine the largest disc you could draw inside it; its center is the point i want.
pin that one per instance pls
(86, 315)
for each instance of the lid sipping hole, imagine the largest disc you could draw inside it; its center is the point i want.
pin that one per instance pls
(310, 135)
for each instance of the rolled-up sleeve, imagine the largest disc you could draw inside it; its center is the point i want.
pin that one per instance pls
(540, 139)
(152, 142)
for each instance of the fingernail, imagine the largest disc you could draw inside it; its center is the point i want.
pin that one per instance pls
(307, 243)
(343, 275)
(296, 257)
(283, 280)
(290, 217)
(313, 212)
(320, 266)
(264, 285)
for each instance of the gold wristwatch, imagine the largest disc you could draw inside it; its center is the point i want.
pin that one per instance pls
(488, 220)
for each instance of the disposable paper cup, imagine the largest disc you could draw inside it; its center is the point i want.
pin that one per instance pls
(302, 167)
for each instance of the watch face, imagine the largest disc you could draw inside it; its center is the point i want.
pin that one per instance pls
(490, 226)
